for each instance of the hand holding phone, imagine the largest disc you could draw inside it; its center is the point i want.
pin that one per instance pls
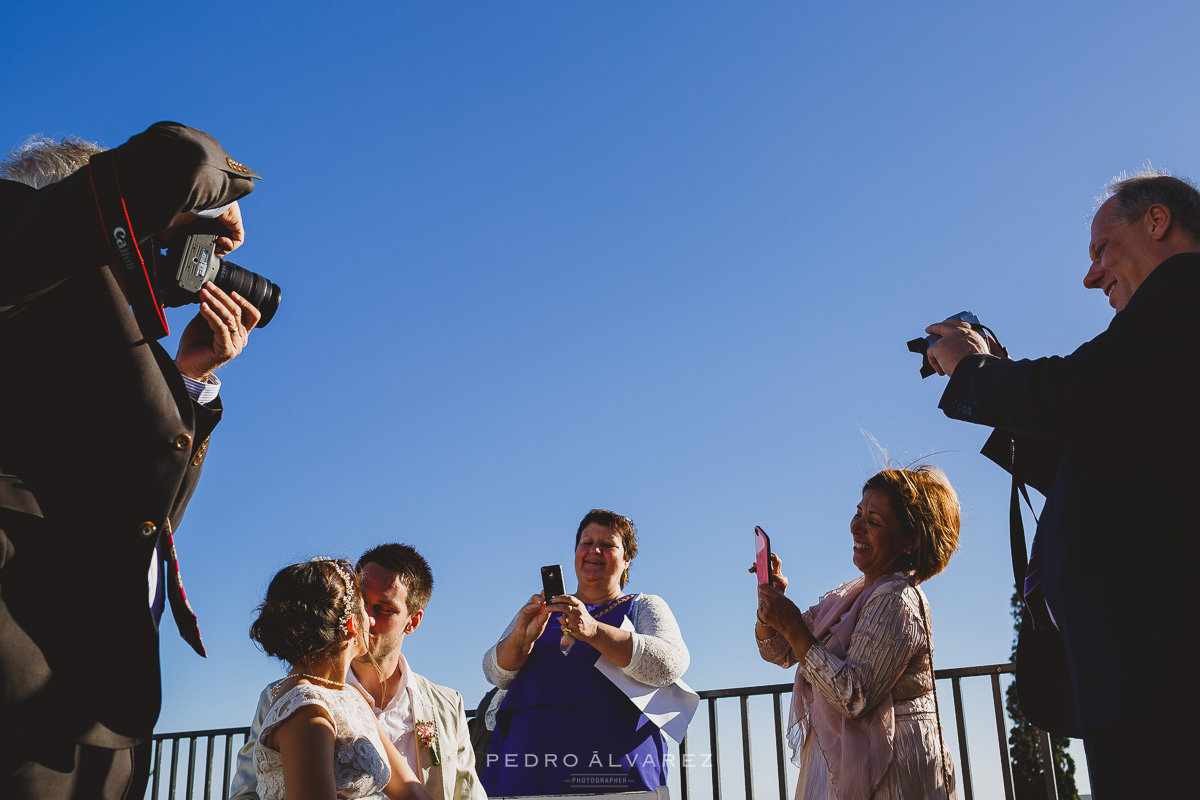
(552, 586)
(762, 554)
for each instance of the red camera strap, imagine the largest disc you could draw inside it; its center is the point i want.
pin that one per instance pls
(127, 257)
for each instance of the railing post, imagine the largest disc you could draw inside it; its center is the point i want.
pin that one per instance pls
(191, 780)
(744, 701)
(229, 765)
(158, 748)
(1047, 752)
(780, 759)
(714, 748)
(1002, 736)
(174, 768)
(684, 771)
(964, 753)
(208, 768)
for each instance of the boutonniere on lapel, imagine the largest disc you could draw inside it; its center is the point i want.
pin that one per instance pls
(427, 736)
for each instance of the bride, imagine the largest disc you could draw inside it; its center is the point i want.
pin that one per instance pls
(320, 740)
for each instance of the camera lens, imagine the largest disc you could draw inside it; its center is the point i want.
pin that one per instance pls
(261, 293)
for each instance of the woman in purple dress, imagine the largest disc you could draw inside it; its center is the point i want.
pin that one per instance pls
(559, 726)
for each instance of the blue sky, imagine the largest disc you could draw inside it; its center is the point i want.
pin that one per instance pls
(657, 257)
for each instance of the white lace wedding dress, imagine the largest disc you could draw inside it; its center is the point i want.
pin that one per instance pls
(360, 769)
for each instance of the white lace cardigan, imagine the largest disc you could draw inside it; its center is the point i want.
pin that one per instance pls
(659, 655)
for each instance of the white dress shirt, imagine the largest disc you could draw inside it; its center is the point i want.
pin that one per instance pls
(396, 718)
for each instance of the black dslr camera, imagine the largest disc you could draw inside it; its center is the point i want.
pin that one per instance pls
(152, 282)
(192, 261)
(921, 345)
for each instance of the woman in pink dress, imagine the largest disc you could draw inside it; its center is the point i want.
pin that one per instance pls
(864, 718)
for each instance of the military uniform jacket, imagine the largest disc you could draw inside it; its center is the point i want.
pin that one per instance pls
(100, 446)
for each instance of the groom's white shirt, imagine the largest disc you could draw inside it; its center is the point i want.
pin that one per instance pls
(396, 718)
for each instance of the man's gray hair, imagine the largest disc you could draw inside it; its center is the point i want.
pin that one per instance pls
(41, 161)
(1136, 194)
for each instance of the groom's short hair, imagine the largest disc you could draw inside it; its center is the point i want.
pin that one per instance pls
(412, 567)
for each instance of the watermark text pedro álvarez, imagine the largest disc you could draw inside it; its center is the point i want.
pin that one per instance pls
(596, 761)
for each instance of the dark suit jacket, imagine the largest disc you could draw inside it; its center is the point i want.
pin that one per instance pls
(100, 448)
(1118, 534)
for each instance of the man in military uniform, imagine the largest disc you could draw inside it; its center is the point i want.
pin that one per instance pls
(102, 438)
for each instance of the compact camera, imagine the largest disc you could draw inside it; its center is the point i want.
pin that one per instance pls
(921, 345)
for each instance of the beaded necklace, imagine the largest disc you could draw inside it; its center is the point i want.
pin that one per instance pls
(327, 681)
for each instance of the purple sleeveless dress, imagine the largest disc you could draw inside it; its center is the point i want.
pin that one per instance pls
(564, 728)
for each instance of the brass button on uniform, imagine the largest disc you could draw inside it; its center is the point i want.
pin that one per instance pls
(148, 529)
(200, 451)
(183, 442)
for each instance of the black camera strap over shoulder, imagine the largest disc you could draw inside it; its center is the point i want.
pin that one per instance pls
(130, 266)
(1020, 560)
(1043, 676)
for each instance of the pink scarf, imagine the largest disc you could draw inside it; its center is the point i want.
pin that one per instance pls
(857, 751)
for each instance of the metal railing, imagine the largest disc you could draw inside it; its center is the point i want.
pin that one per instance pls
(172, 742)
(777, 692)
(166, 783)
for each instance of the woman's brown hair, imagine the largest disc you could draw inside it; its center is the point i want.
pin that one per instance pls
(927, 508)
(303, 616)
(621, 527)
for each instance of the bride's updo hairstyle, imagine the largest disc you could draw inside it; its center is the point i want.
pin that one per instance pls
(303, 617)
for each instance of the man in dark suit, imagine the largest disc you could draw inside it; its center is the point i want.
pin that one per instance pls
(102, 438)
(1116, 542)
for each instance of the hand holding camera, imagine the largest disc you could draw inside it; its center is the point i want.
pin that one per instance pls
(951, 341)
(194, 261)
(230, 219)
(958, 340)
(217, 334)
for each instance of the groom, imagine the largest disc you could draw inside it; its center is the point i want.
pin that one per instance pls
(396, 585)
